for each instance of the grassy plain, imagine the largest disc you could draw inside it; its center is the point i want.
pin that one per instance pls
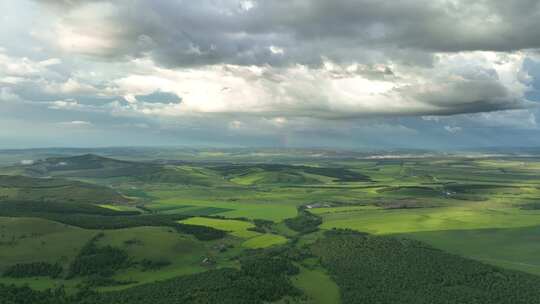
(240, 229)
(486, 209)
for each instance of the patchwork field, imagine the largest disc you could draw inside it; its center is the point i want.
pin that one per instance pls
(240, 229)
(165, 220)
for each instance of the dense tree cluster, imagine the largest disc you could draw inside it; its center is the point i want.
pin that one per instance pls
(10, 294)
(202, 233)
(531, 206)
(263, 278)
(94, 260)
(25, 208)
(268, 265)
(151, 265)
(261, 226)
(94, 217)
(304, 222)
(36, 269)
(370, 269)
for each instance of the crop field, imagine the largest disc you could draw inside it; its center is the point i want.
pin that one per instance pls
(240, 229)
(431, 219)
(264, 241)
(166, 220)
(233, 227)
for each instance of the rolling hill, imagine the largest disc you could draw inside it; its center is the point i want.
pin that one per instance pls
(24, 188)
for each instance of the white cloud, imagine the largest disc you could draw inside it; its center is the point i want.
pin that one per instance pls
(247, 5)
(79, 123)
(23, 66)
(65, 105)
(457, 83)
(276, 50)
(236, 124)
(71, 86)
(89, 29)
(270, 67)
(7, 95)
(453, 129)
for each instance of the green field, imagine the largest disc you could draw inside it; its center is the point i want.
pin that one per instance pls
(177, 220)
(235, 228)
(264, 240)
(317, 285)
(431, 219)
(514, 248)
(240, 229)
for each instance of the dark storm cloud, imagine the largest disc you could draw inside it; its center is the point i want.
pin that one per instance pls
(186, 33)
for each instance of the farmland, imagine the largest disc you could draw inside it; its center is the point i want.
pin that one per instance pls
(200, 214)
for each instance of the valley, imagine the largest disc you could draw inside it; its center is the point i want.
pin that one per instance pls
(151, 222)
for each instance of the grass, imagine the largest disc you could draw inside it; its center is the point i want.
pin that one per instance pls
(234, 227)
(264, 241)
(513, 248)
(25, 188)
(119, 207)
(317, 285)
(26, 240)
(240, 229)
(481, 220)
(271, 212)
(344, 209)
(431, 219)
(22, 238)
(158, 243)
(274, 178)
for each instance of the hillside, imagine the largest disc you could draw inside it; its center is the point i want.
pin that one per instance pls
(287, 174)
(24, 188)
(89, 166)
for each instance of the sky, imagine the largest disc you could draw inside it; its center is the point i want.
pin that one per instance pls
(432, 74)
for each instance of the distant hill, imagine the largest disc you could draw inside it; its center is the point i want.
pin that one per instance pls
(95, 166)
(90, 166)
(82, 162)
(24, 188)
(287, 174)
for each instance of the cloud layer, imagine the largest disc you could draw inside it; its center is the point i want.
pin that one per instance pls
(226, 66)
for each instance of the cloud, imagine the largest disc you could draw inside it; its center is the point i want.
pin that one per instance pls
(524, 119)
(71, 86)
(280, 71)
(23, 67)
(464, 83)
(244, 32)
(77, 123)
(65, 105)
(519, 119)
(453, 129)
(6, 95)
(343, 60)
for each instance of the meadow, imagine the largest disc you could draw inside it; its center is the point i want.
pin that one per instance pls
(483, 209)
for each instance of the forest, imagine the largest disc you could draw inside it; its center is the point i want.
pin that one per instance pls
(374, 269)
